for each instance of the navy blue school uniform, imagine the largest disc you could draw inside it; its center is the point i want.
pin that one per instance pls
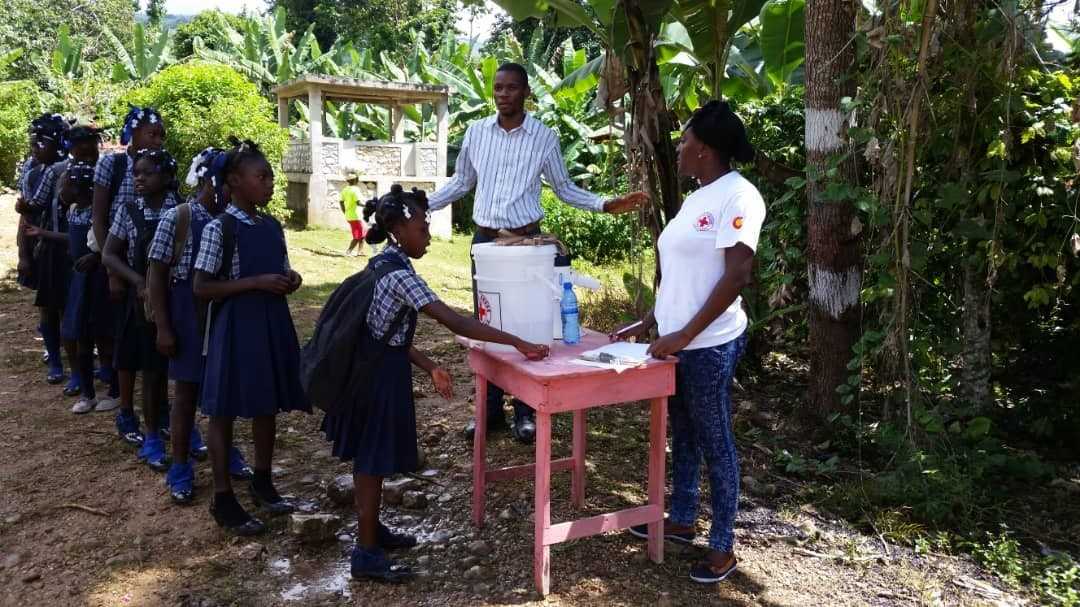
(30, 174)
(51, 260)
(136, 339)
(253, 355)
(87, 312)
(379, 435)
(187, 364)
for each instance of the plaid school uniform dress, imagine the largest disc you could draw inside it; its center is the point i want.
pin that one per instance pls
(187, 364)
(252, 354)
(379, 435)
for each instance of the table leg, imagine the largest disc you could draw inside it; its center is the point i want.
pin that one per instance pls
(541, 551)
(480, 451)
(657, 455)
(578, 479)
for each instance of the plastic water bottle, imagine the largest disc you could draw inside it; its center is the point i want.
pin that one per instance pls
(571, 331)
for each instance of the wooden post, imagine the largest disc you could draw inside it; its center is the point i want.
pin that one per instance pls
(577, 485)
(542, 509)
(442, 135)
(480, 451)
(283, 112)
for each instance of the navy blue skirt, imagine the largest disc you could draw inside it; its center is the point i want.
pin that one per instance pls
(253, 359)
(87, 312)
(136, 345)
(379, 436)
(53, 270)
(187, 365)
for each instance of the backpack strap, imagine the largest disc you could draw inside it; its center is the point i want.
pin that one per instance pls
(228, 244)
(383, 267)
(119, 171)
(183, 224)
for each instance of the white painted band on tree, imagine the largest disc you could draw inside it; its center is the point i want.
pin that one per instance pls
(834, 292)
(823, 130)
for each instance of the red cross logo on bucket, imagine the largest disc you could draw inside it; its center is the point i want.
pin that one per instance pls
(484, 312)
(705, 222)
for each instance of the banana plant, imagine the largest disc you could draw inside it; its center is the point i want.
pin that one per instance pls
(67, 57)
(7, 58)
(146, 57)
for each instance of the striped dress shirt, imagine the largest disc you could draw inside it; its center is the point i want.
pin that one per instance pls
(506, 169)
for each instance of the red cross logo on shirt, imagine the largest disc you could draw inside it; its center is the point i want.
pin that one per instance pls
(704, 222)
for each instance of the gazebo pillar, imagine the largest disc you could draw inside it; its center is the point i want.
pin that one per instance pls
(397, 124)
(317, 182)
(283, 112)
(442, 134)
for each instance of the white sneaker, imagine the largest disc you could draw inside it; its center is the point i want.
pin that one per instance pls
(106, 404)
(84, 405)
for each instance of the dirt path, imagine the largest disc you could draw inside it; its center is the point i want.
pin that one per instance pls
(82, 523)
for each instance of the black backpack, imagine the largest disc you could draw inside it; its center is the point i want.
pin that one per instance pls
(337, 362)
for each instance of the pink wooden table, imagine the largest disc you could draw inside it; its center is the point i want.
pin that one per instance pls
(557, 385)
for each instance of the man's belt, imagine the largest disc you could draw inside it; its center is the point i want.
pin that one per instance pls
(528, 230)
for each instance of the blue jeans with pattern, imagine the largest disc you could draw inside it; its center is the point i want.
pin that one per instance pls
(700, 418)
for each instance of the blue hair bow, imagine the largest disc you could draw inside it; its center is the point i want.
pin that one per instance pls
(136, 117)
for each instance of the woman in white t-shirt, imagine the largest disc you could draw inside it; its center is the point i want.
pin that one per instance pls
(706, 258)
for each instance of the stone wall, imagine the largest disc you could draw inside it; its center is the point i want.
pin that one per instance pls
(378, 160)
(297, 158)
(427, 161)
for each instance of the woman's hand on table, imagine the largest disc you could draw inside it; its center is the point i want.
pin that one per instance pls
(444, 385)
(532, 351)
(669, 344)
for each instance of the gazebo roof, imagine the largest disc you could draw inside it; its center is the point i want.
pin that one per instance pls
(363, 91)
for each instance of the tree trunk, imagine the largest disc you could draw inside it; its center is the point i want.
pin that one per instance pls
(975, 358)
(833, 249)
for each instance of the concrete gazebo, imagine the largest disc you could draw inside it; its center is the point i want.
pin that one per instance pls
(317, 165)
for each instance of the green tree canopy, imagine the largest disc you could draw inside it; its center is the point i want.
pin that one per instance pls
(26, 22)
(376, 24)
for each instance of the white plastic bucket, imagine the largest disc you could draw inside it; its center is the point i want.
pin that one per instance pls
(515, 290)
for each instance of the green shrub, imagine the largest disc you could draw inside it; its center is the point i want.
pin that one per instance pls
(597, 237)
(203, 104)
(19, 102)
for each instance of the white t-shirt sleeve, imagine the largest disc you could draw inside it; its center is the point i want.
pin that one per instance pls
(741, 220)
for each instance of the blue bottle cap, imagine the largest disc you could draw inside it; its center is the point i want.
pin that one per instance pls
(567, 285)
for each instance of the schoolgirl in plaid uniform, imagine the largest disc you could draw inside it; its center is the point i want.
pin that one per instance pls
(253, 355)
(155, 186)
(144, 129)
(379, 435)
(88, 317)
(54, 262)
(177, 319)
(48, 257)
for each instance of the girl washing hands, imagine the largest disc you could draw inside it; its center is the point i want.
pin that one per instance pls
(379, 435)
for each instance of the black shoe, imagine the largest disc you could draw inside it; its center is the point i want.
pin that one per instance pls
(642, 531)
(373, 565)
(269, 500)
(240, 523)
(389, 540)
(182, 497)
(496, 423)
(524, 429)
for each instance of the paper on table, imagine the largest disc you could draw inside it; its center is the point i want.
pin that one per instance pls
(620, 351)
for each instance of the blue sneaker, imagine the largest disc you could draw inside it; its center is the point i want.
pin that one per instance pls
(372, 564)
(238, 468)
(197, 448)
(153, 453)
(55, 373)
(127, 425)
(74, 385)
(163, 424)
(181, 482)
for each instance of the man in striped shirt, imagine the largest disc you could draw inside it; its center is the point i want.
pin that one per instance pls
(504, 157)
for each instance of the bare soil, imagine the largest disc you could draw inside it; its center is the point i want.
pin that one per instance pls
(83, 523)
